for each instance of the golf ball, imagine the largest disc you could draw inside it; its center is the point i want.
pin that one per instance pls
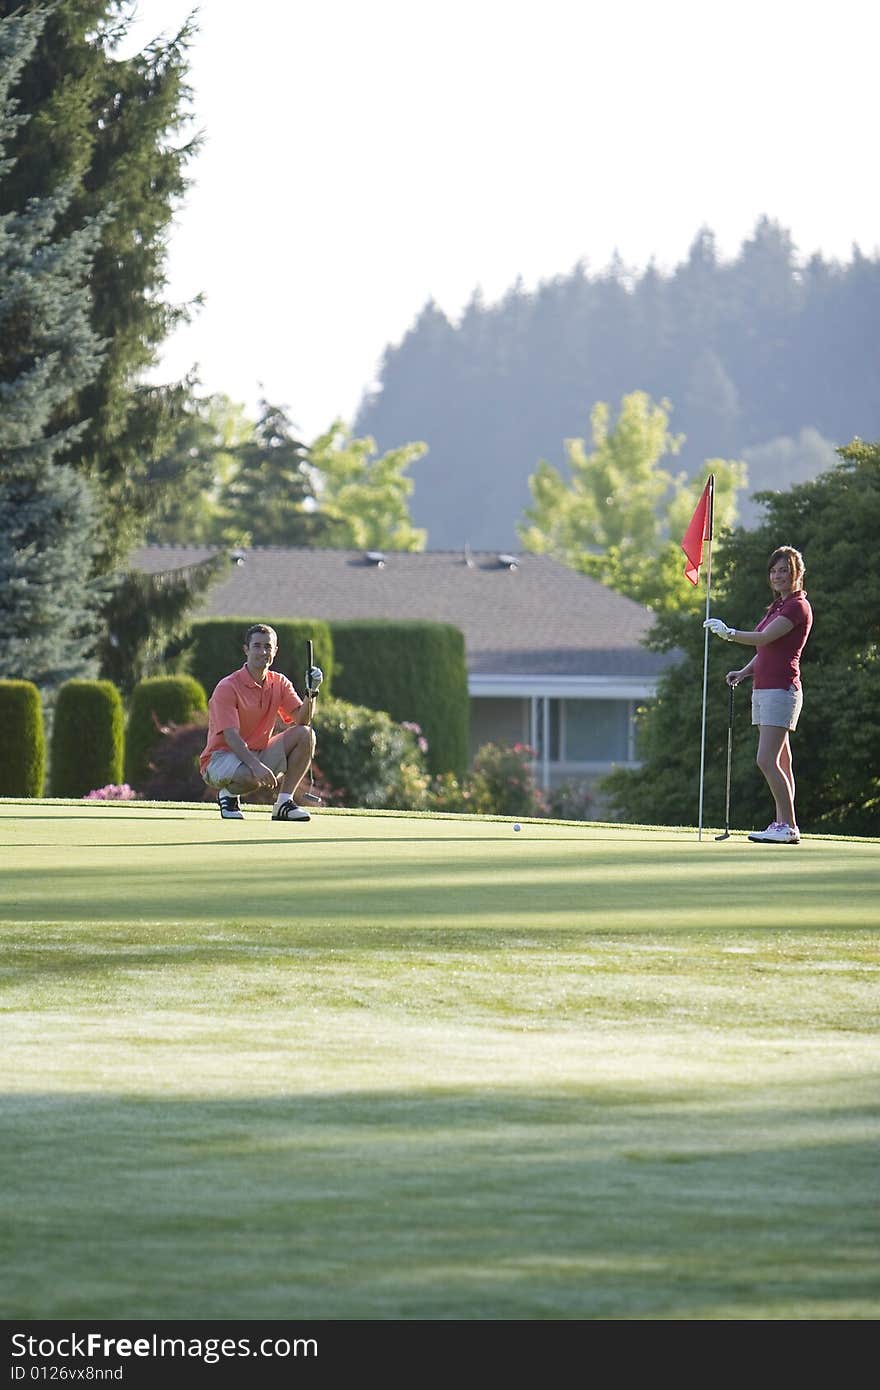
(517, 827)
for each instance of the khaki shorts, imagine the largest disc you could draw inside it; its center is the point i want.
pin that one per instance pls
(779, 708)
(226, 769)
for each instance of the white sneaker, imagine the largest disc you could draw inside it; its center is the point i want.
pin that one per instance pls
(777, 833)
(288, 810)
(230, 806)
(759, 835)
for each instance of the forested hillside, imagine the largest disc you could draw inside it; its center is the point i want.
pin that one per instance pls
(766, 358)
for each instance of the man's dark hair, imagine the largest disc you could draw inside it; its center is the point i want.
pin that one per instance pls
(260, 627)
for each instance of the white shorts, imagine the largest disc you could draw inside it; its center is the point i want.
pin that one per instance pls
(226, 769)
(779, 708)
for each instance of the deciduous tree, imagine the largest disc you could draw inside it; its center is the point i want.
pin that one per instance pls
(620, 514)
(364, 495)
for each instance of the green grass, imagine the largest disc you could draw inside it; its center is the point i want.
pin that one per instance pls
(394, 1067)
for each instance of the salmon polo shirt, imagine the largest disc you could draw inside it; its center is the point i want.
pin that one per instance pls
(239, 702)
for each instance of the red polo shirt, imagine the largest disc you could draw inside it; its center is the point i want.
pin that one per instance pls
(778, 665)
(239, 702)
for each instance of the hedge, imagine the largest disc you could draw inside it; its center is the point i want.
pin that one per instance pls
(416, 672)
(23, 746)
(88, 738)
(218, 643)
(158, 700)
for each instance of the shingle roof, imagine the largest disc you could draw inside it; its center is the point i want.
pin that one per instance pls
(538, 618)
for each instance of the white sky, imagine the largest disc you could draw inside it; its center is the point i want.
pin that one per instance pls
(363, 156)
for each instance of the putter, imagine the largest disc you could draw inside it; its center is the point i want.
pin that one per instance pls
(311, 794)
(726, 835)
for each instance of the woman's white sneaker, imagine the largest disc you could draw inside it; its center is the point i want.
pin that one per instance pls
(777, 833)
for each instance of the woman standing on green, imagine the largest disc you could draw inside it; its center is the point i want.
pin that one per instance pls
(777, 696)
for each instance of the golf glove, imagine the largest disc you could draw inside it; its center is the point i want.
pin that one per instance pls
(719, 628)
(314, 676)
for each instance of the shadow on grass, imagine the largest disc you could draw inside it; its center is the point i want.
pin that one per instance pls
(292, 831)
(92, 816)
(470, 1204)
(54, 952)
(551, 891)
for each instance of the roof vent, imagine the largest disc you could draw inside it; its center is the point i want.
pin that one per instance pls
(468, 557)
(508, 562)
(375, 558)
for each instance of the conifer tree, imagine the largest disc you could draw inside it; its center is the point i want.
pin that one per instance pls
(147, 620)
(48, 351)
(753, 350)
(201, 463)
(109, 130)
(270, 495)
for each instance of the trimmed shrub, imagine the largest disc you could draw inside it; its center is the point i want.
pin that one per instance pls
(367, 759)
(88, 737)
(218, 643)
(414, 671)
(23, 746)
(571, 801)
(502, 782)
(155, 703)
(173, 774)
(174, 770)
(446, 793)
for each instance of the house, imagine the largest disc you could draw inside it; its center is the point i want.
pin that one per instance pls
(555, 660)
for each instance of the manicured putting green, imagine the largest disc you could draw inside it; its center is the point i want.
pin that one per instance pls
(383, 1067)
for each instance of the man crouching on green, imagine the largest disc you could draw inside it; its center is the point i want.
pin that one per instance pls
(243, 751)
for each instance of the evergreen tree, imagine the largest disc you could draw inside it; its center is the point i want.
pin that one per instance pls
(780, 464)
(230, 471)
(48, 351)
(195, 473)
(147, 620)
(270, 495)
(753, 350)
(711, 403)
(109, 130)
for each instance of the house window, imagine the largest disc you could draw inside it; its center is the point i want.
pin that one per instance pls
(594, 731)
(498, 721)
(569, 736)
(582, 732)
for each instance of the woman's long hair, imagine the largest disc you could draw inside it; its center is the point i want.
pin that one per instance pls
(796, 569)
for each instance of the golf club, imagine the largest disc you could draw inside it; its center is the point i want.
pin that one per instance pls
(726, 835)
(311, 794)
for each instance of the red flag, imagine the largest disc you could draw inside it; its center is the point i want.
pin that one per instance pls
(699, 530)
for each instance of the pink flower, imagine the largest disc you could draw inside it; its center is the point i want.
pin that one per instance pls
(112, 792)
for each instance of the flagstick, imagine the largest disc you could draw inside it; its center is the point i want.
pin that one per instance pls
(705, 686)
(701, 529)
